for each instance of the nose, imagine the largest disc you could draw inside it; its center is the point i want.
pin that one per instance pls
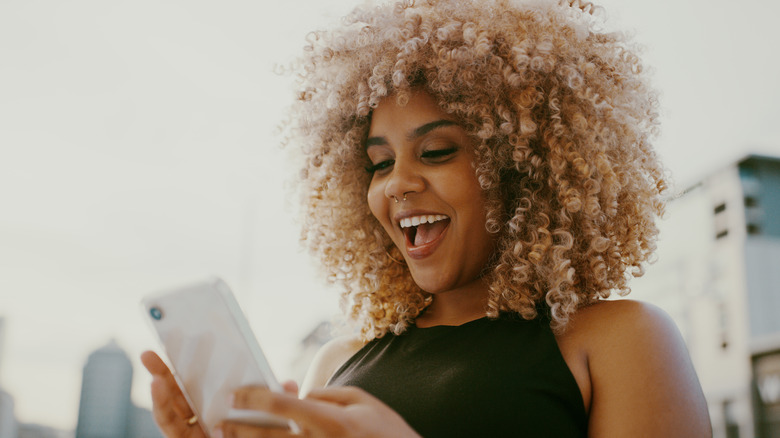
(405, 179)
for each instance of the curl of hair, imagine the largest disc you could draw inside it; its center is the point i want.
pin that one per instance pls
(562, 118)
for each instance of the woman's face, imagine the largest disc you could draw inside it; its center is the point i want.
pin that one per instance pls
(425, 193)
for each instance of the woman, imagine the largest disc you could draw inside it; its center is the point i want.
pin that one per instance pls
(478, 177)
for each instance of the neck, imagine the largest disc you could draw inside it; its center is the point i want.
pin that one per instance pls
(456, 306)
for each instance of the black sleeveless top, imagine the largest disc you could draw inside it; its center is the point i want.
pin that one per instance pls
(486, 378)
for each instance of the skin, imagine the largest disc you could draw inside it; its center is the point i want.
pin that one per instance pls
(628, 358)
(420, 153)
(634, 372)
(324, 412)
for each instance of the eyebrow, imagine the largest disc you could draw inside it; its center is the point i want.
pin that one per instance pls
(414, 134)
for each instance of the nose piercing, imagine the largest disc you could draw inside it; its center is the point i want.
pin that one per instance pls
(396, 199)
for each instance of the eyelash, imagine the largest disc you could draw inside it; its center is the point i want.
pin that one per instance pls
(378, 166)
(436, 153)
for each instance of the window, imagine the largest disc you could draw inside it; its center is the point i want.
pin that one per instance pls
(721, 224)
(729, 415)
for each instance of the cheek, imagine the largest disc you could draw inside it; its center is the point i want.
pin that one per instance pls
(471, 201)
(465, 192)
(376, 202)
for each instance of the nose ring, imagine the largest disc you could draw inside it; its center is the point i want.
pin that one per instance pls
(396, 199)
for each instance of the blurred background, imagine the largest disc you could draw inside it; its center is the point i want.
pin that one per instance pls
(138, 152)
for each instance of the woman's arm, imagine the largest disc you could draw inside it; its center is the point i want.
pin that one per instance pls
(642, 380)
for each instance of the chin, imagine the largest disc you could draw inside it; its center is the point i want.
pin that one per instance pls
(431, 287)
(434, 286)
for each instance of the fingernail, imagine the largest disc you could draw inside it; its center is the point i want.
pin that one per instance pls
(217, 433)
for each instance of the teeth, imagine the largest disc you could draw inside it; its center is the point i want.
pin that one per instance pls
(417, 220)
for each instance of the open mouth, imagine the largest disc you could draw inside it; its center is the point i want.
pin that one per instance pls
(423, 229)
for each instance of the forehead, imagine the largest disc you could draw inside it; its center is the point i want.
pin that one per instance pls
(421, 108)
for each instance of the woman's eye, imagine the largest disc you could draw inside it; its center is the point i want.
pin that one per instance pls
(439, 154)
(379, 166)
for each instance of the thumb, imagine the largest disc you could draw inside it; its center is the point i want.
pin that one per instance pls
(290, 387)
(343, 395)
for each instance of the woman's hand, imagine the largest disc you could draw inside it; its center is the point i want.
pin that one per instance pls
(171, 411)
(326, 412)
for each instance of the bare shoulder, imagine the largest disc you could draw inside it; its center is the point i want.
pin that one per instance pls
(603, 329)
(642, 381)
(327, 360)
(619, 318)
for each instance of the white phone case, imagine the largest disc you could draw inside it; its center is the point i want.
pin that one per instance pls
(211, 350)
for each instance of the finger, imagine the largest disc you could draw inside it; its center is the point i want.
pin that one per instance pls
(255, 397)
(165, 415)
(283, 404)
(171, 410)
(169, 396)
(290, 386)
(154, 364)
(343, 395)
(232, 429)
(166, 386)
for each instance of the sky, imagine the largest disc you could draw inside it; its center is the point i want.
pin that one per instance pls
(138, 152)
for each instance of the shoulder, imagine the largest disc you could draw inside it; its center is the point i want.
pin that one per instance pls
(327, 360)
(626, 317)
(603, 329)
(640, 374)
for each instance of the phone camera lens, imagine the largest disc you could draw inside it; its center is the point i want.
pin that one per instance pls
(156, 313)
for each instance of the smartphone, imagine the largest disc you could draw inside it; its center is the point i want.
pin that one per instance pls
(211, 351)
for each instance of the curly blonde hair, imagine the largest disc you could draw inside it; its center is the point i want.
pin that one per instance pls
(562, 118)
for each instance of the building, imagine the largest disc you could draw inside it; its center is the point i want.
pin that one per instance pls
(8, 426)
(105, 409)
(105, 394)
(41, 431)
(2, 342)
(718, 275)
(142, 424)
